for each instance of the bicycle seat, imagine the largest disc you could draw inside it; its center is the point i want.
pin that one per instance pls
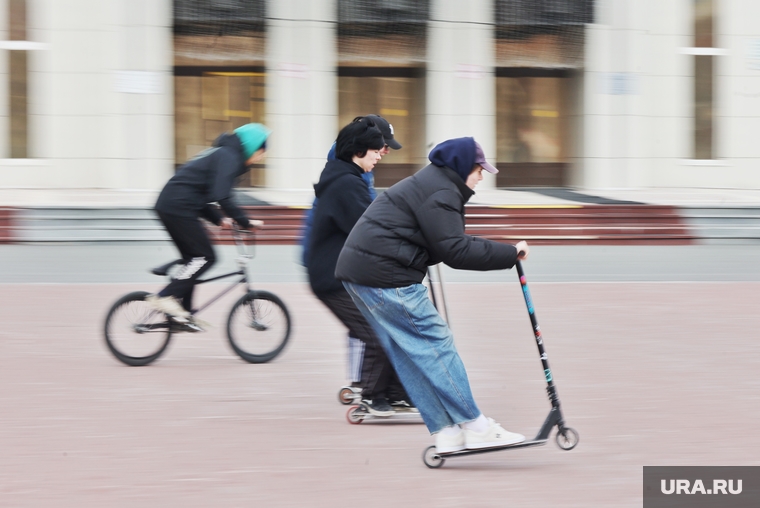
(164, 269)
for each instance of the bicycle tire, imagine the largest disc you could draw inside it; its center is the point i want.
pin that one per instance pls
(123, 323)
(258, 326)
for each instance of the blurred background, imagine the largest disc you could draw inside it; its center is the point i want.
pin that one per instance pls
(114, 94)
(624, 135)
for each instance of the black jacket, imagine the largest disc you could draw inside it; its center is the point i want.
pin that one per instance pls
(416, 223)
(342, 196)
(206, 179)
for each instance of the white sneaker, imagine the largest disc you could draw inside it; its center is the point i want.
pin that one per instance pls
(169, 306)
(495, 435)
(447, 443)
(204, 325)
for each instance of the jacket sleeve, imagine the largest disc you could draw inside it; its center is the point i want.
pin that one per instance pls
(442, 224)
(211, 213)
(233, 210)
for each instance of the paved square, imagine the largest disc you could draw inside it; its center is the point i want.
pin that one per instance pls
(648, 374)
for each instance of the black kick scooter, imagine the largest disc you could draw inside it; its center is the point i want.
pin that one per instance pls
(567, 437)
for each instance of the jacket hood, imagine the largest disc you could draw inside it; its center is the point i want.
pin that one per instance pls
(457, 154)
(233, 142)
(333, 170)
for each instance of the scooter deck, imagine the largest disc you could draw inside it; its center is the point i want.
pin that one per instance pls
(358, 414)
(434, 460)
(473, 451)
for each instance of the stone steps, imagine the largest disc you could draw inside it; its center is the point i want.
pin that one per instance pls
(724, 224)
(556, 224)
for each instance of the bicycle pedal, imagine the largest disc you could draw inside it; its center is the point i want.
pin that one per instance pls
(193, 327)
(186, 327)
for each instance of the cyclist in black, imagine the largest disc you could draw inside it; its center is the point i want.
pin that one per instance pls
(190, 195)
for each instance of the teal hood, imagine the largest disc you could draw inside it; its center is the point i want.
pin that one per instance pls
(252, 137)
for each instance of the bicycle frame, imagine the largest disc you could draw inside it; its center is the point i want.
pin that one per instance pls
(242, 262)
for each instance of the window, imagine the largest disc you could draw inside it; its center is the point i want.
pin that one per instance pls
(210, 101)
(18, 82)
(539, 46)
(219, 80)
(382, 55)
(398, 96)
(531, 138)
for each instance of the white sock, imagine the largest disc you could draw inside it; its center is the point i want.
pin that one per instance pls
(355, 358)
(453, 430)
(479, 424)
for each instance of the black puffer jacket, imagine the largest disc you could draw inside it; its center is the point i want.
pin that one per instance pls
(206, 179)
(343, 195)
(416, 223)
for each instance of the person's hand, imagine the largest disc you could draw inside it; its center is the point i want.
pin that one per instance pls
(522, 250)
(226, 223)
(255, 223)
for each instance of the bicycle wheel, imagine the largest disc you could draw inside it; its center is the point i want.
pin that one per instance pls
(258, 327)
(135, 333)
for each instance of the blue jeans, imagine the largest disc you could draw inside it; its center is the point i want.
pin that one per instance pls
(420, 346)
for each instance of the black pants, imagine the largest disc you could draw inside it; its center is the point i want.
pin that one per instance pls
(378, 378)
(194, 246)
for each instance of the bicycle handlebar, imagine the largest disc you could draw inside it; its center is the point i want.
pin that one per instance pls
(240, 235)
(253, 224)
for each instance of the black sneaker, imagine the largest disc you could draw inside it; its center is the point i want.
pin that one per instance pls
(378, 407)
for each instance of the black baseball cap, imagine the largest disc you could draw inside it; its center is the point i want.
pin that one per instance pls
(387, 129)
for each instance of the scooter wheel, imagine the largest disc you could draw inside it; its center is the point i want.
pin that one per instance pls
(346, 396)
(567, 438)
(431, 458)
(355, 415)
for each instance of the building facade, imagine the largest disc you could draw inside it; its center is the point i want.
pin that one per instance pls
(580, 93)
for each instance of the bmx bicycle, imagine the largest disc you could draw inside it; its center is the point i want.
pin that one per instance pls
(258, 325)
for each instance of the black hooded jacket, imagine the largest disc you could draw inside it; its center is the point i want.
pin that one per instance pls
(343, 195)
(206, 179)
(419, 222)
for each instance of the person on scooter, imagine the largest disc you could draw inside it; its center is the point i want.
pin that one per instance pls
(416, 223)
(366, 359)
(343, 196)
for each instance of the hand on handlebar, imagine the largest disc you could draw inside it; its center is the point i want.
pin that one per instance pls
(522, 250)
(252, 224)
(228, 223)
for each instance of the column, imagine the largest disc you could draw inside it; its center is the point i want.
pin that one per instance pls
(101, 98)
(637, 95)
(302, 90)
(461, 82)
